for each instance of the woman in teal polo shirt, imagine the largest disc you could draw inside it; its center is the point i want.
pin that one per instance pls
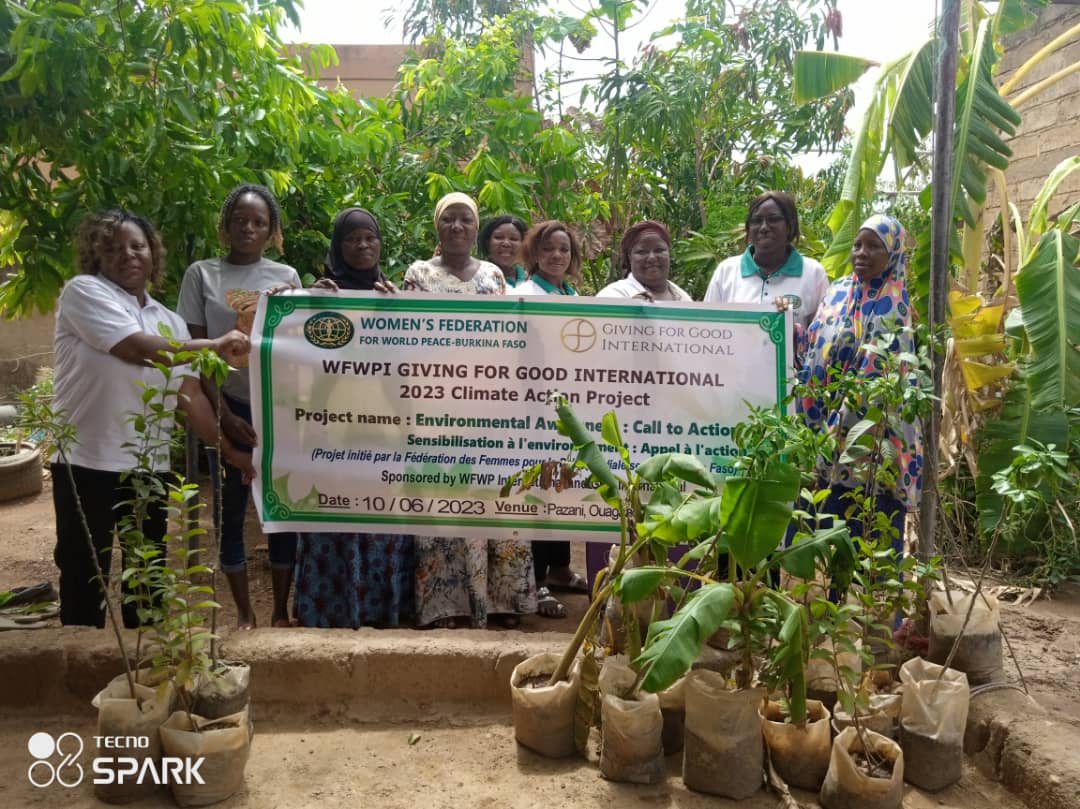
(552, 257)
(771, 269)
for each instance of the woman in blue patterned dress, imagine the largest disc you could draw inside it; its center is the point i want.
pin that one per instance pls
(856, 311)
(349, 580)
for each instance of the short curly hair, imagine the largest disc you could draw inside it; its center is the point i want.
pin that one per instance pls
(537, 235)
(97, 230)
(277, 238)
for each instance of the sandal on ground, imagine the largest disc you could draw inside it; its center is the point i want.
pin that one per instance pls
(547, 606)
(575, 584)
(508, 621)
(442, 623)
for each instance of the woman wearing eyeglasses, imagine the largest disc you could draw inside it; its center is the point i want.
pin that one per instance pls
(771, 269)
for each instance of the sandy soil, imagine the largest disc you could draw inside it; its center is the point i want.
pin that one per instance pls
(27, 536)
(456, 764)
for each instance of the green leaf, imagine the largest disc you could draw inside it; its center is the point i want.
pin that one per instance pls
(980, 111)
(1048, 287)
(640, 583)
(756, 513)
(788, 655)
(820, 73)
(674, 644)
(1037, 219)
(588, 451)
(678, 465)
(832, 546)
(69, 10)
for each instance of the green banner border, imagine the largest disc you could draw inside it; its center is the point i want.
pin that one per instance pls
(280, 306)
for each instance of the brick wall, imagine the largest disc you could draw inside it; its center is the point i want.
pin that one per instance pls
(1050, 130)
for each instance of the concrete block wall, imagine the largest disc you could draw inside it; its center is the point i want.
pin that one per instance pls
(26, 344)
(1050, 130)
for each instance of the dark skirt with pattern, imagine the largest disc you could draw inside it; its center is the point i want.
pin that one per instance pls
(353, 580)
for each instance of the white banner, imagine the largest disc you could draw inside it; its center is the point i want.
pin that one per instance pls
(406, 413)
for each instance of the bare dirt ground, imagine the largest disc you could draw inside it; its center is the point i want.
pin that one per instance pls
(27, 536)
(469, 761)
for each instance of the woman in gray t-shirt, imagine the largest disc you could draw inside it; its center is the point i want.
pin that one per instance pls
(250, 220)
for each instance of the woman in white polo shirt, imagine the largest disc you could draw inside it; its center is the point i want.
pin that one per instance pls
(108, 331)
(771, 269)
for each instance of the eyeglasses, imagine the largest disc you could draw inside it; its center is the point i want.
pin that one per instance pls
(757, 221)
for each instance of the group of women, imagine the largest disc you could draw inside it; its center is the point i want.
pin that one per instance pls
(107, 334)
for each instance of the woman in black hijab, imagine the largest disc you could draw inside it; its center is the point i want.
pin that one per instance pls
(352, 580)
(352, 262)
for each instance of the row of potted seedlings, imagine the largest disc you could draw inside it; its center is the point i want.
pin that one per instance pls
(737, 713)
(176, 696)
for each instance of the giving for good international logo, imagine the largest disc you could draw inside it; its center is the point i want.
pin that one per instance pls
(55, 760)
(578, 335)
(328, 330)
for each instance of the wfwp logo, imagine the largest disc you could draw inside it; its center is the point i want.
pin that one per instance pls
(67, 772)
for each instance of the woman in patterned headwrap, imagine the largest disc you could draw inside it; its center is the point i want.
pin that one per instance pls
(857, 311)
(462, 580)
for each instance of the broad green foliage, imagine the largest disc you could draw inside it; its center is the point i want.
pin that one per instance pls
(1049, 290)
(691, 130)
(161, 108)
(467, 128)
(1041, 343)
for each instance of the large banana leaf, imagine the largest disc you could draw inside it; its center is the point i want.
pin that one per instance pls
(1015, 423)
(981, 113)
(1048, 287)
(897, 120)
(1014, 15)
(819, 73)
(860, 182)
(673, 645)
(1037, 219)
(756, 513)
(911, 117)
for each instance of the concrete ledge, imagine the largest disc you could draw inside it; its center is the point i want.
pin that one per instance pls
(370, 674)
(990, 717)
(1039, 762)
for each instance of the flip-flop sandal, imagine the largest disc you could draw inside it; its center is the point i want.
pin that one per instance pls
(577, 584)
(8, 623)
(547, 606)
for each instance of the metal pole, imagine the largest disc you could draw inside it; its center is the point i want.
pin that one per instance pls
(941, 230)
